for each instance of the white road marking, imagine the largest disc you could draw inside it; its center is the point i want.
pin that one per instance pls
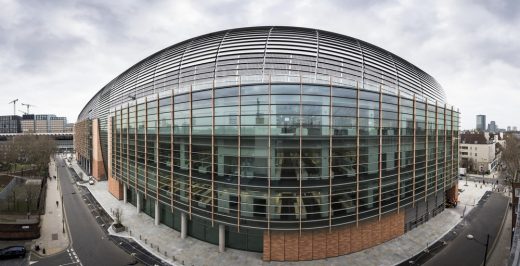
(70, 263)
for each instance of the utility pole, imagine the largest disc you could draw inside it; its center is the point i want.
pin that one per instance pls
(14, 105)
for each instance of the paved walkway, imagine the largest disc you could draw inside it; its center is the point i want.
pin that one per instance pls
(167, 244)
(500, 254)
(53, 237)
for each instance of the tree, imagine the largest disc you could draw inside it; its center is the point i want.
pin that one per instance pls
(117, 215)
(471, 164)
(30, 149)
(12, 198)
(31, 195)
(511, 155)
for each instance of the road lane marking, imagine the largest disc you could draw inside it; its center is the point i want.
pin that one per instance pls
(70, 263)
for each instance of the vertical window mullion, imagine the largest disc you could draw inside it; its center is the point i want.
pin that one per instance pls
(172, 152)
(357, 153)
(414, 148)
(239, 170)
(398, 150)
(190, 149)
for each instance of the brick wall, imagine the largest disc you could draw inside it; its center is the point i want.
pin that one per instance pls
(98, 168)
(115, 188)
(452, 194)
(11, 231)
(324, 243)
(82, 132)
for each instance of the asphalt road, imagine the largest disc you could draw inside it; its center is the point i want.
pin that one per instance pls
(90, 245)
(485, 218)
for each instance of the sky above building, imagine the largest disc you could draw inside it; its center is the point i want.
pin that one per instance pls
(57, 54)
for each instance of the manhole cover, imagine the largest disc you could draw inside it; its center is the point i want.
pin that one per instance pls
(54, 236)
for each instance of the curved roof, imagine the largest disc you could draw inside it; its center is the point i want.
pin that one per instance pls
(265, 53)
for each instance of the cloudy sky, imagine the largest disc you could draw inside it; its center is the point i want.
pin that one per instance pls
(57, 54)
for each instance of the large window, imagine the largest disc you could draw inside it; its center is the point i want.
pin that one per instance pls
(283, 156)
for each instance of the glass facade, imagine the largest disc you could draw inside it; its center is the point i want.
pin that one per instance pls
(283, 156)
(277, 128)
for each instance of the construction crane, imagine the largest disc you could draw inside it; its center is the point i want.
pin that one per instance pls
(14, 105)
(28, 105)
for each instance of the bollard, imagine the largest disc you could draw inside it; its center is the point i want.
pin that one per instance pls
(146, 240)
(140, 237)
(43, 251)
(151, 245)
(165, 254)
(158, 249)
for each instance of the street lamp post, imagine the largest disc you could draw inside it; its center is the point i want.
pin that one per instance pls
(471, 237)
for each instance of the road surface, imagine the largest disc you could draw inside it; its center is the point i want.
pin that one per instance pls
(89, 244)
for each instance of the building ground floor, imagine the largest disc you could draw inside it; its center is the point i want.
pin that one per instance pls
(168, 244)
(288, 245)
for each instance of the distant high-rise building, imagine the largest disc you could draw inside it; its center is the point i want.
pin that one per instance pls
(10, 124)
(492, 126)
(481, 122)
(514, 128)
(508, 128)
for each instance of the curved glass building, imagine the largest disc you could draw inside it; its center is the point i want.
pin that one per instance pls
(298, 143)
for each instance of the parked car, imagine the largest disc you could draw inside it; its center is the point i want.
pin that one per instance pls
(12, 252)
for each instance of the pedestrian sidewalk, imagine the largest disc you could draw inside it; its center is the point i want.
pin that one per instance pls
(53, 236)
(166, 243)
(499, 255)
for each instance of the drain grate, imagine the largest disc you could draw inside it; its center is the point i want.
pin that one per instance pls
(54, 236)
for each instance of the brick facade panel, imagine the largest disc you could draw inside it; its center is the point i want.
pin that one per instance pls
(366, 234)
(386, 232)
(266, 256)
(319, 244)
(332, 243)
(291, 246)
(98, 169)
(277, 246)
(375, 238)
(115, 188)
(305, 246)
(343, 240)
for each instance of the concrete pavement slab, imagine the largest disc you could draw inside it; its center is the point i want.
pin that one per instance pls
(53, 233)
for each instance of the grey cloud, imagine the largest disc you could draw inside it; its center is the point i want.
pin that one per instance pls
(506, 10)
(73, 48)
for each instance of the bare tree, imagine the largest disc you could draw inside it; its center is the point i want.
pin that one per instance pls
(118, 213)
(511, 155)
(30, 149)
(12, 197)
(31, 194)
(471, 165)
